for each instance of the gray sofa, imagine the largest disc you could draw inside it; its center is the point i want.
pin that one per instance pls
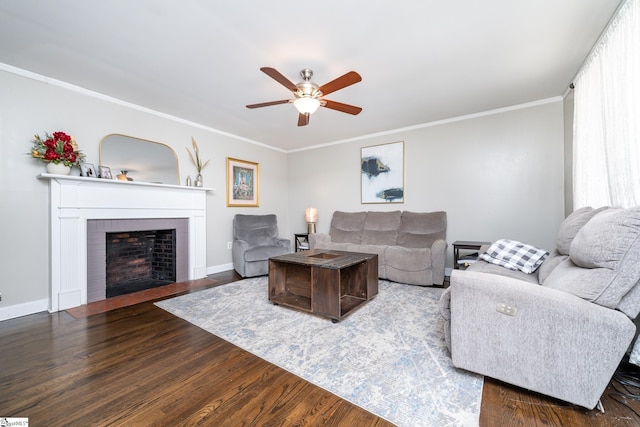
(410, 246)
(562, 330)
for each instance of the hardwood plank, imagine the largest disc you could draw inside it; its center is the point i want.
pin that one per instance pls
(507, 405)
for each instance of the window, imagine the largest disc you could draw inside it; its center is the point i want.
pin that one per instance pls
(606, 133)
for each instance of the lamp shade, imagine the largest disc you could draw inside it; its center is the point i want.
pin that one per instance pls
(306, 105)
(311, 215)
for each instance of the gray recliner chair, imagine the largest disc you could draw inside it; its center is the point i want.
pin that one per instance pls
(255, 240)
(563, 329)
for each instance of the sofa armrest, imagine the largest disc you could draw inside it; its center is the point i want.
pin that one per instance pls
(535, 337)
(438, 254)
(316, 238)
(285, 243)
(240, 246)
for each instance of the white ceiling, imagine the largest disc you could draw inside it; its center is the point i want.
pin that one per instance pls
(420, 61)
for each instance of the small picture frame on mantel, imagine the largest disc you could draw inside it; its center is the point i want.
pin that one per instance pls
(105, 172)
(88, 170)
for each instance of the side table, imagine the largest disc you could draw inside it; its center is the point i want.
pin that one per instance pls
(469, 252)
(301, 241)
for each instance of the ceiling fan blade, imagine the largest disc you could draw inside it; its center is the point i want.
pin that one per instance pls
(339, 106)
(275, 75)
(341, 82)
(303, 119)
(267, 104)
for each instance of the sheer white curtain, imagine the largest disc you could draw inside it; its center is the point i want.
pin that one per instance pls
(606, 130)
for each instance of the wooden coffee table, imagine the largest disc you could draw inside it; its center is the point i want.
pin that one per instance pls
(323, 282)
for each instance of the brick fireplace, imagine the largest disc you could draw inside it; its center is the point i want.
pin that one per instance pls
(138, 260)
(125, 255)
(78, 204)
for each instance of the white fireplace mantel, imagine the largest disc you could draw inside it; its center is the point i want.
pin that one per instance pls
(73, 200)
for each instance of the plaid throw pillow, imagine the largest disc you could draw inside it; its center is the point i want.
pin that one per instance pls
(514, 255)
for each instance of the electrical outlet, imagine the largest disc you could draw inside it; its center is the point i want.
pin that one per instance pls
(229, 245)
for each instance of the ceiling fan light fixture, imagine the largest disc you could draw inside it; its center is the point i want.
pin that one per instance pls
(306, 105)
(308, 96)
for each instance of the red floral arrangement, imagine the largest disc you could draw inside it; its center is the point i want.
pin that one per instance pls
(57, 148)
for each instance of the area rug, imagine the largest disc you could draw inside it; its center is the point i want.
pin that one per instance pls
(388, 357)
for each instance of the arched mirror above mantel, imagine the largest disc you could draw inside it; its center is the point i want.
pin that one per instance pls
(143, 160)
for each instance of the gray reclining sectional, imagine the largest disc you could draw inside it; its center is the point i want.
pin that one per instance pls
(411, 246)
(562, 330)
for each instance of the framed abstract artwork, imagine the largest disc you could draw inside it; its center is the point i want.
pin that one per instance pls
(243, 183)
(382, 173)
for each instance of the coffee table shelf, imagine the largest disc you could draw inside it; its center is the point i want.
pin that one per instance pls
(327, 283)
(292, 300)
(348, 303)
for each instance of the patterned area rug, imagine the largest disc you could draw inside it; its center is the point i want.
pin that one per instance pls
(388, 357)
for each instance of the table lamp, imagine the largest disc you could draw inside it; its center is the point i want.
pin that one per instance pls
(311, 217)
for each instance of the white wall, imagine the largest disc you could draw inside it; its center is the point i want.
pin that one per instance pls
(497, 175)
(29, 106)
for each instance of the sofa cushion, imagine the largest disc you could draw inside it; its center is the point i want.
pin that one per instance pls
(485, 267)
(586, 283)
(334, 246)
(420, 230)
(549, 264)
(571, 225)
(346, 227)
(409, 265)
(630, 303)
(370, 249)
(515, 255)
(381, 228)
(408, 259)
(603, 265)
(257, 230)
(607, 239)
(263, 253)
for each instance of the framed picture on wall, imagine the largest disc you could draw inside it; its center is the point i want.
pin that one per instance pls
(243, 183)
(382, 173)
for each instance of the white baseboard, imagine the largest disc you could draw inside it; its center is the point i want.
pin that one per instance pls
(24, 309)
(219, 268)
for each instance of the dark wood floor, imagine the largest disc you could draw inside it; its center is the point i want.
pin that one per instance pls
(140, 366)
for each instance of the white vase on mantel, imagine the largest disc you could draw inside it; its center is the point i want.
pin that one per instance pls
(58, 169)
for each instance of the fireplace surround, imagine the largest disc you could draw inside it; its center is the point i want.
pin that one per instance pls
(75, 200)
(98, 232)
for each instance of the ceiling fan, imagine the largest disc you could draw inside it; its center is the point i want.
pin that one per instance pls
(309, 96)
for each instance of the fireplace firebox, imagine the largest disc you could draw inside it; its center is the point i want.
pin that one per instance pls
(139, 260)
